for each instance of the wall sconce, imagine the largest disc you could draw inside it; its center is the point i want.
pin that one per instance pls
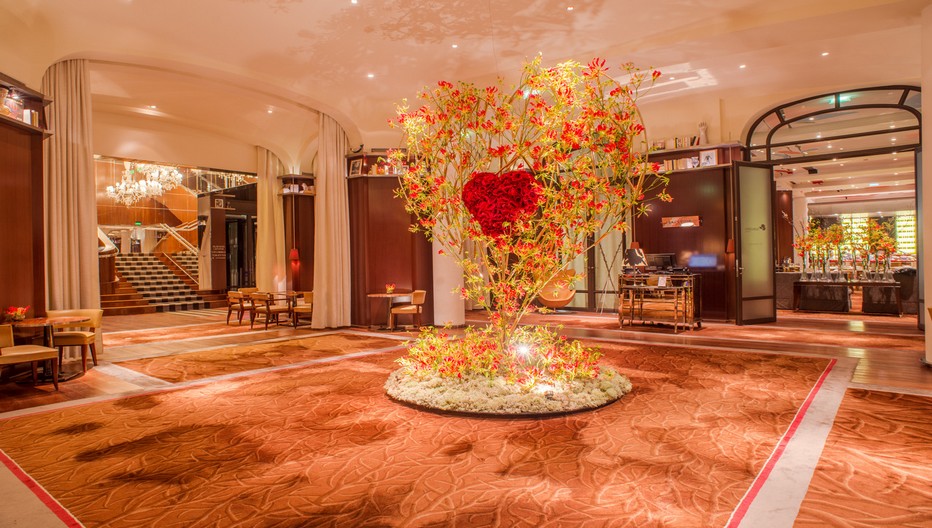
(681, 221)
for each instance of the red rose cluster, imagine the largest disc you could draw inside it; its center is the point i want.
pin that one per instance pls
(494, 199)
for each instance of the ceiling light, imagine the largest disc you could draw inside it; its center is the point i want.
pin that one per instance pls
(152, 107)
(269, 110)
(873, 184)
(354, 2)
(743, 66)
(454, 46)
(896, 173)
(370, 75)
(672, 78)
(892, 126)
(895, 159)
(812, 119)
(570, 8)
(834, 159)
(818, 136)
(825, 54)
(829, 146)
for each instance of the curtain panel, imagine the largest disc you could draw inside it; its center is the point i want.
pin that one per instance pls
(271, 274)
(331, 230)
(72, 274)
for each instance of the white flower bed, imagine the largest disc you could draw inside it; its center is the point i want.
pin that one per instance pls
(478, 394)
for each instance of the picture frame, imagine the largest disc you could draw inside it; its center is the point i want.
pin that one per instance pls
(707, 158)
(355, 168)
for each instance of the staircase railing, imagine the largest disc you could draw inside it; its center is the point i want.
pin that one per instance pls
(174, 232)
(179, 266)
(106, 262)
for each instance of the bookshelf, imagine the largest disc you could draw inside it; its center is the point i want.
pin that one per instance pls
(697, 157)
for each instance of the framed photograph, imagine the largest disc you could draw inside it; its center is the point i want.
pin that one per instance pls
(708, 158)
(355, 167)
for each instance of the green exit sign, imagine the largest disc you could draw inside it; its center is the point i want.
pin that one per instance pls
(138, 223)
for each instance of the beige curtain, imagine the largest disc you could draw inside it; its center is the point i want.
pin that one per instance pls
(331, 230)
(72, 275)
(270, 231)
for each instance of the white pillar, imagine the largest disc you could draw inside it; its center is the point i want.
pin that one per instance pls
(449, 307)
(925, 229)
(800, 219)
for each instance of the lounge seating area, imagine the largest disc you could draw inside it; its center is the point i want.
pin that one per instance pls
(269, 308)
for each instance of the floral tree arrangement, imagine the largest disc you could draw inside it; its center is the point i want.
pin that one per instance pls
(835, 236)
(877, 242)
(514, 183)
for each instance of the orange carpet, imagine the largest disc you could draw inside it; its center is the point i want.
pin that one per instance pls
(876, 469)
(322, 445)
(763, 332)
(243, 358)
(159, 335)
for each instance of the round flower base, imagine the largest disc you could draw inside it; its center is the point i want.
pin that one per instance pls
(481, 395)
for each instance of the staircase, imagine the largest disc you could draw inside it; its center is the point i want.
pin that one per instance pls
(147, 285)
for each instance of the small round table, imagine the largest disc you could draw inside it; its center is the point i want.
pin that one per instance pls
(388, 298)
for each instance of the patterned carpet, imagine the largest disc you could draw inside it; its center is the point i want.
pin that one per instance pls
(234, 359)
(321, 445)
(159, 335)
(876, 468)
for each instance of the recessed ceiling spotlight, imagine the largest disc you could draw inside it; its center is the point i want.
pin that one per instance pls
(825, 54)
(892, 126)
(834, 159)
(829, 146)
(896, 173)
(152, 107)
(892, 139)
(454, 46)
(354, 2)
(896, 159)
(269, 110)
(812, 119)
(672, 78)
(743, 66)
(370, 75)
(873, 184)
(818, 136)
(570, 8)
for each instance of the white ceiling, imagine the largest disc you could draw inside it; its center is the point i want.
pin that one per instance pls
(222, 65)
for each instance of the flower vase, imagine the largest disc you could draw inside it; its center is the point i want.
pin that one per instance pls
(18, 317)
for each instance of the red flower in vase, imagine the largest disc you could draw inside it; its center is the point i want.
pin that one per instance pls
(494, 199)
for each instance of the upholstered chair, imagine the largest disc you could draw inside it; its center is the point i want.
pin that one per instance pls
(414, 308)
(264, 306)
(239, 303)
(305, 309)
(11, 354)
(559, 291)
(83, 335)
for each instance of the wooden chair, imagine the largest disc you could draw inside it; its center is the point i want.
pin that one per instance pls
(11, 354)
(264, 305)
(248, 291)
(237, 302)
(83, 335)
(559, 291)
(303, 310)
(414, 307)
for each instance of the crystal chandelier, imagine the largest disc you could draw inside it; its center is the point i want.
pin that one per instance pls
(129, 191)
(166, 177)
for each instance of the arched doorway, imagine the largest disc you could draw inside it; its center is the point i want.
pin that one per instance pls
(848, 157)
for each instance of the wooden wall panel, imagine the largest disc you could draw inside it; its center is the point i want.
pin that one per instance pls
(706, 193)
(384, 250)
(22, 268)
(300, 272)
(784, 221)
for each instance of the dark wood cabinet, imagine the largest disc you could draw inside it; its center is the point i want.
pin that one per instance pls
(705, 191)
(298, 192)
(383, 249)
(22, 268)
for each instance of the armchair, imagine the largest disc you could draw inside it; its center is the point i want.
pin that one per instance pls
(83, 335)
(11, 354)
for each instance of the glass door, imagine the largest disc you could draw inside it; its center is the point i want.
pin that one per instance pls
(755, 240)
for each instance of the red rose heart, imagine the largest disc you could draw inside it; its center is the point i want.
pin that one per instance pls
(494, 199)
